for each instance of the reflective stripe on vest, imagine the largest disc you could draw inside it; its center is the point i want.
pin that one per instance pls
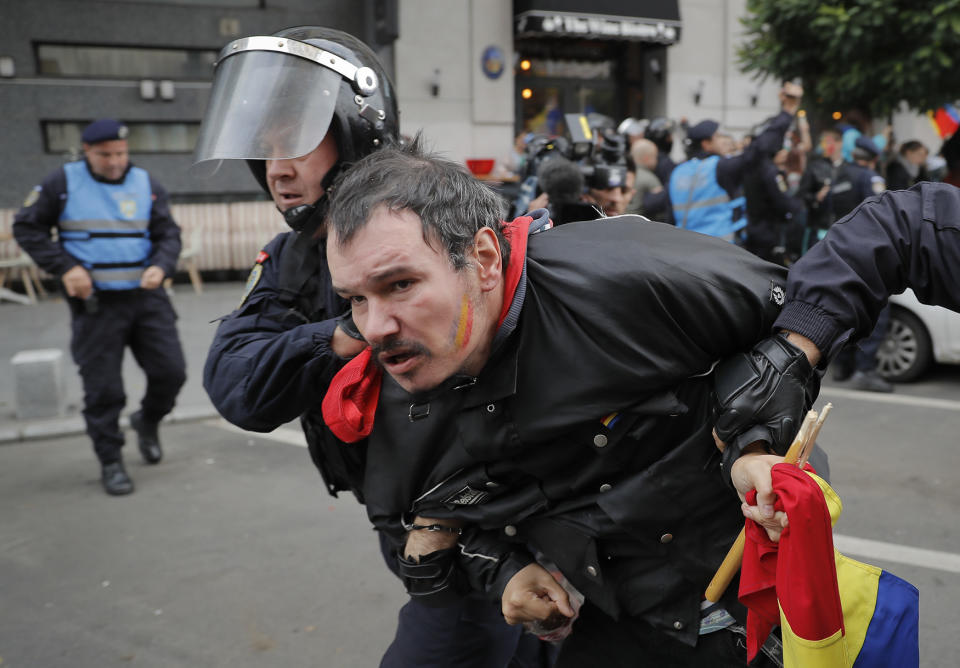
(105, 225)
(700, 203)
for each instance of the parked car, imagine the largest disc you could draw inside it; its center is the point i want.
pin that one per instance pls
(918, 336)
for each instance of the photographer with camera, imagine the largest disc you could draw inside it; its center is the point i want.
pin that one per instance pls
(602, 177)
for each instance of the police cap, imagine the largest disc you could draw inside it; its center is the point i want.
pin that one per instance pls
(104, 129)
(703, 130)
(866, 145)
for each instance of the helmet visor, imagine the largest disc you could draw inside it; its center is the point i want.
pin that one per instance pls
(266, 105)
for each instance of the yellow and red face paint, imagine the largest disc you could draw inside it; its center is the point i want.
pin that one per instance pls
(464, 323)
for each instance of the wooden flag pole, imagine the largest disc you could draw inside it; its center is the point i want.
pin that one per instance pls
(801, 446)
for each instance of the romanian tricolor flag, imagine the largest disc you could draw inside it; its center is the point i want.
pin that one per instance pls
(945, 120)
(834, 612)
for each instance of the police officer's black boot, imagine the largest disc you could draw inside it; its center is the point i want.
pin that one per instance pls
(115, 480)
(147, 438)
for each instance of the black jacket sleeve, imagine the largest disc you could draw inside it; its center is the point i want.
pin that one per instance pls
(33, 223)
(164, 232)
(730, 170)
(266, 365)
(785, 205)
(489, 562)
(902, 239)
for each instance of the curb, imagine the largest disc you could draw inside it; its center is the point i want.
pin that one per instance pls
(74, 425)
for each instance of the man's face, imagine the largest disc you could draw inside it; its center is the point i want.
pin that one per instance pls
(298, 180)
(830, 145)
(424, 320)
(612, 201)
(108, 159)
(917, 156)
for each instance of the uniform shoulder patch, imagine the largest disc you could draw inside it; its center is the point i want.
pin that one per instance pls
(32, 197)
(878, 185)
(781, 183)
(262, 257)
(252, 279)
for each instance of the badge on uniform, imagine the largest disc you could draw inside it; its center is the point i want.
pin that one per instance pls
(468, 496)
(777, 295)
(254, 276)
(32, 197)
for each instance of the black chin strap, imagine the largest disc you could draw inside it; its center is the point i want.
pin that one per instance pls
(299, 217)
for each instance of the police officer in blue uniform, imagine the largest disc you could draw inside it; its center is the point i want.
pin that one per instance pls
(273, 357)
(862, 176)
(116, 244)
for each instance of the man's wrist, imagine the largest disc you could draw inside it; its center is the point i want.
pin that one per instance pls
(808, 347)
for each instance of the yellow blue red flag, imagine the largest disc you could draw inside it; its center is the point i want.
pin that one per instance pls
(834, 612)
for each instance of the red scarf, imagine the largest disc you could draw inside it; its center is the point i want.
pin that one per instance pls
(351, 400)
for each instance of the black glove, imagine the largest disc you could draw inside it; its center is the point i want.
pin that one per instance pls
(435, 580)
(763, 395)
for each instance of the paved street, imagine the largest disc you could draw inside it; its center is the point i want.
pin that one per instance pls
(230, 553)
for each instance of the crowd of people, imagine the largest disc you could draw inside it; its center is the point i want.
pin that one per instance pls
(525, 408)
(772, 191)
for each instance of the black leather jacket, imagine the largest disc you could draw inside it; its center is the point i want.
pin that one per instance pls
(587, 434)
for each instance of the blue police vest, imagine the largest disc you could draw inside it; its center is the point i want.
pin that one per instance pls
(700, 203)
(105, 226)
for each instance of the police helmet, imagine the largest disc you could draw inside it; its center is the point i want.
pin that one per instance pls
(277, 97)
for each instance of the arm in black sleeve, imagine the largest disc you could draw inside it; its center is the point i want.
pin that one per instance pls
(809, 186)
(33, 223)
(267, 364)
(903, 239)
(480, 561)
(784, 204)
(164, 232)
(730, 171)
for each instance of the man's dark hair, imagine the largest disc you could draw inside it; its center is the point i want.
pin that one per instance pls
(911, 145)
(452, 205)
(833, 132)
(561, 179)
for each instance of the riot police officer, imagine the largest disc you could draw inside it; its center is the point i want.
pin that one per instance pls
(272, 358)
(116, 244)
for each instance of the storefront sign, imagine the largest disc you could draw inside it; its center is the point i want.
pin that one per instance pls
(595, 26)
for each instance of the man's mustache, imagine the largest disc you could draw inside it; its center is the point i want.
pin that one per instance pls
(391, 346)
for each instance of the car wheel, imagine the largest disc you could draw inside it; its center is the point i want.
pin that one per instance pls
(906, 351)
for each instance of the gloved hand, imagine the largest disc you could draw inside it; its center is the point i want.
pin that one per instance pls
(762, 395)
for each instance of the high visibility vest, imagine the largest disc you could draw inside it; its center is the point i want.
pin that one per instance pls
(105, 226)
(700, 203)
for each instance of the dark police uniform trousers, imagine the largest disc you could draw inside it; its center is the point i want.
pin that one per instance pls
(123, 225)
(145, 321)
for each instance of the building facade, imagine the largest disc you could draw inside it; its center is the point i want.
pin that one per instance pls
(470, 74)
(64, 63)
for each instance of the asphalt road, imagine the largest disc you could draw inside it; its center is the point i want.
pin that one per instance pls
(230, 553)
